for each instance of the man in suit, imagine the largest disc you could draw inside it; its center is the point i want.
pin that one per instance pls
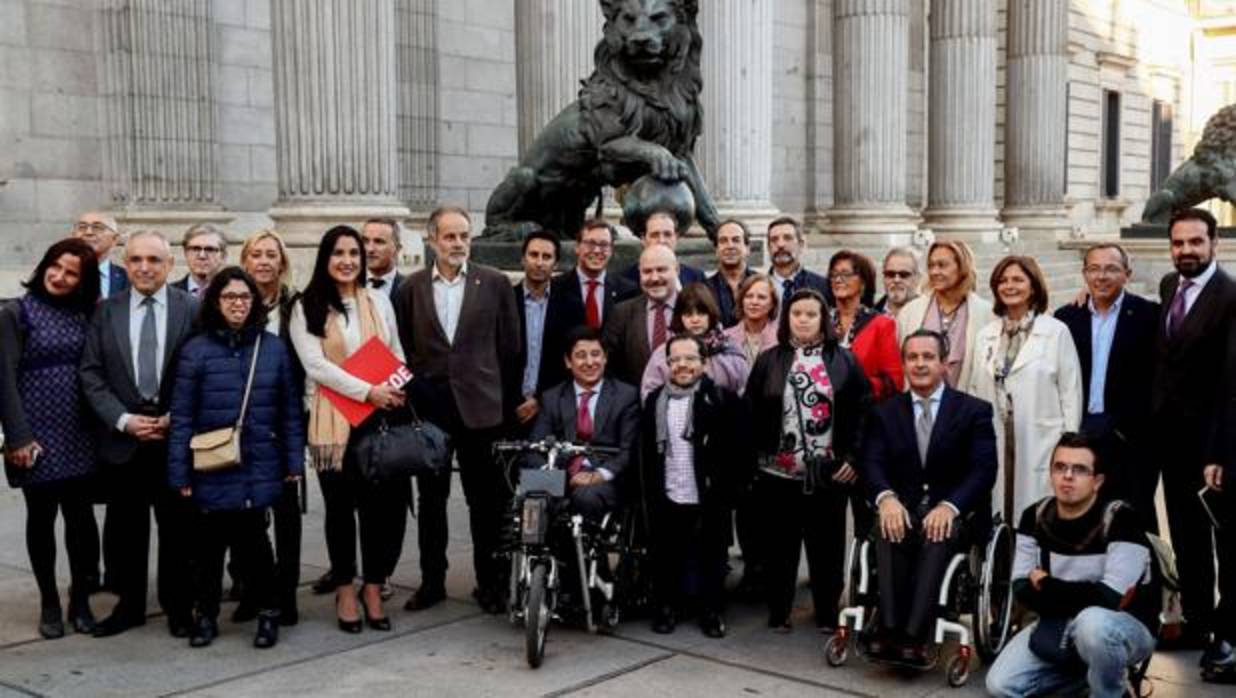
(786, 245)
(1114, 333)
(540, 357)
(589, 408)
(641, 324)
(733, 250)
(205, 248)
(460, 329)
(127, 367)
(99, 230)
(930, 462)
(382, 247)
(587, 295)
(1188, 402)
(662, 228)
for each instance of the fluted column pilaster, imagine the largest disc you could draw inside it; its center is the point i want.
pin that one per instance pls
(554, 45)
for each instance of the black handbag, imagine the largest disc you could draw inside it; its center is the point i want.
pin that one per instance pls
(396, 452)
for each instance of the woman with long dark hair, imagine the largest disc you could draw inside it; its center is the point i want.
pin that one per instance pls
(213, 386)
(808, 400)
(335, 316)
(696, 313)
(48, 448)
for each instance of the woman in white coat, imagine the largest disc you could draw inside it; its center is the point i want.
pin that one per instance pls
(1029, 371)
(952, 308)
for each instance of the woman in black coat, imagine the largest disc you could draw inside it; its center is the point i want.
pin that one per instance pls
(211, 376)
(808, 400)
(48, 449)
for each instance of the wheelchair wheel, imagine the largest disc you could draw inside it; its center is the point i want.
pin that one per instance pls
(958, 671)
(838, 649)
(994, 601)
(536, 615)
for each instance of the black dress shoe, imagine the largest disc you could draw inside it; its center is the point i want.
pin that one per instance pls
(425, 597)
(180, 627)
(267, 635)
(115, 624)
(204, 632)
(81, 618)
(289, 615)
(491, 600)
(663, 622)
(244, 612)
(713, 625)
(324, 584)
(915, 654)
(51, 625)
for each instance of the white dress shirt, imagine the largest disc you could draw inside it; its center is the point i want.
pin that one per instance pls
(105, 278)
(680, 484)
(448, 299)
(388, 280)
(137, 315)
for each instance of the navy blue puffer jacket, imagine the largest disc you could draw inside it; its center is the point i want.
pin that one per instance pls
(210, 383)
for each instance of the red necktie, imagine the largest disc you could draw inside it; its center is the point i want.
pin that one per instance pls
(592, 311)
(583, 431)
(658, 325)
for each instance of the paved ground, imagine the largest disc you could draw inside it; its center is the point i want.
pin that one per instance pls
(451, 650)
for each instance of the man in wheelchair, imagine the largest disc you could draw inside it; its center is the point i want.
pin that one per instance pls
(590, 409)
(1085, 567)
(929, 464)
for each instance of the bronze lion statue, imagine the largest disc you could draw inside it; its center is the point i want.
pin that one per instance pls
(1209, 173)
(637, 114)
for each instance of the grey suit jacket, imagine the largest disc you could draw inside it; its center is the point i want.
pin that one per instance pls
(481, 366)
(108, 383)
(615, 425)
(625, 336)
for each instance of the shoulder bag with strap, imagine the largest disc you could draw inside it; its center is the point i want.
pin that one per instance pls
(219, 449)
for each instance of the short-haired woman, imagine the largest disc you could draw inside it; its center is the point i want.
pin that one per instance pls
(756, 309)
(48, 449)
(871, 335)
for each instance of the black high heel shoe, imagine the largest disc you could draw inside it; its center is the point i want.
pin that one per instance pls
(383, 624)
(348, 626)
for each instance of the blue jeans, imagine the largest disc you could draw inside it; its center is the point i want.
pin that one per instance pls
(1109, 642)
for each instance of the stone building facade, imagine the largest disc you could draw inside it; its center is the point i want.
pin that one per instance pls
(871, 119)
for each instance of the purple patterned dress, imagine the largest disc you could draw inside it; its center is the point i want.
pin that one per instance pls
(51, 394)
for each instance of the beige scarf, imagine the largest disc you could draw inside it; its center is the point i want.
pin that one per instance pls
(328, 429)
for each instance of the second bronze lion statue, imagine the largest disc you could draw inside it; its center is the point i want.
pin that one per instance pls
(637, 114)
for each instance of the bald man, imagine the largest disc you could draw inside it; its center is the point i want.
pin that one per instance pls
(639, 325)
(99, 230)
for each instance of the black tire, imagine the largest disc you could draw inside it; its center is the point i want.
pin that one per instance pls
(838, 650)
(958, 671)
(536, 615)
(993, 604)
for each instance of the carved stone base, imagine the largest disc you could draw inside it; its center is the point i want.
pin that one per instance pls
(173, 222)
(890, 219)
(1039, 222)
(302, 225)
(962, 223)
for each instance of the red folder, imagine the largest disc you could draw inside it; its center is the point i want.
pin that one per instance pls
(372, 363)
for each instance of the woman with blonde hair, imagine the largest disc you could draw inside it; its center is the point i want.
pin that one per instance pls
(949, 306)
(756, 309)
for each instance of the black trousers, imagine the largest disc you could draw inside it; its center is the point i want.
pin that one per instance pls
(910, 573)
(73, 500)
(1130, 474)
(1190, 528)
(796, 520)
(689, 545)
(286, 517)
(137, 487)
(244, 532)
(381, 512)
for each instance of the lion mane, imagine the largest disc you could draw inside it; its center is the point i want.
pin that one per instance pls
(1218, 140)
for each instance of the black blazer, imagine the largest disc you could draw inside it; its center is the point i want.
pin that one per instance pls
(805, 278)
(961, 457)
(686, 274)
(107, 376)
(726, 303)
(1189, 391)
(566, 298)
(615, 424)
(1131, 365)
(552, 368)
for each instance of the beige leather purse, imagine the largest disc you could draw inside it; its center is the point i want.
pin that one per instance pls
(219, 449)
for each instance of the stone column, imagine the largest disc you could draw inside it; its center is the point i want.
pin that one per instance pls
(735, 152)
(336, 91)
(554, 43)
(160, 141)
(417, 113)
(962, 118)
(870, 44)
(1037, 115)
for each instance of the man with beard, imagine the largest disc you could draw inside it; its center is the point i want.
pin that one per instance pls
(786, 246)
(1188, 398)
(733, 249)
(641, 324)
(901, 280)
(540, 360)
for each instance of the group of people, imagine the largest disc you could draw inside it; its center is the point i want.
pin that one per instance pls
(742, 405)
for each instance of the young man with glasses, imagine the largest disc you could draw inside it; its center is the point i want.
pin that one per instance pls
(587, 294)
(1083, 566)
(901, 280)
(205, 249)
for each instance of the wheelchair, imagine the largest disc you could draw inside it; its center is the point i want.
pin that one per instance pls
(564, 566)
(976, 582)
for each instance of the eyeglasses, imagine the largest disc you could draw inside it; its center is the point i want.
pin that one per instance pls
(1110, 271)
(683, 359)
(894, 274)
(841, 276)
(1074, 469)
(96, 227)
(236, 297)
(594, 245)
(202, 250)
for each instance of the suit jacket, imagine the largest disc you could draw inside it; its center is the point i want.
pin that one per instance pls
(805, 278)
(686, 275)
(961, 456)
(625, 336)
(552, 370)
(1130, 366)
(118, 279)
(726, 303)
(567, 298)
(1188, 391)
(479, 366)
(108, 381)
(615, 424)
